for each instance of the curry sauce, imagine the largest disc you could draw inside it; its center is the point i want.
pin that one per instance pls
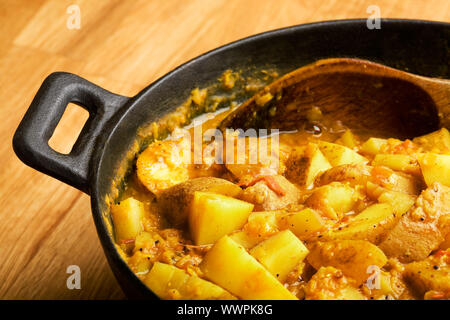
(330, 214)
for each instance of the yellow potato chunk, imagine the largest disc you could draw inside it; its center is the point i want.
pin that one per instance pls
(175, 202)
(230, 266)
(245, 239)
(127, 216)
(435, 168)
(333, 200)
(399, 162)
(339, 155)
(329, 283)
(262, 224)
(396, 181)
(373, 190)
(361, 174)
(348, 139)
(140, 262)
(213, 216)
(305, 164)
(280, 254)
(169, 282)
(304, 224)
(432, 273)
(400, 202)
(385, 285)
(422, 229)
(438, 141)
(351, 174)
(145, 241)
(373, 146)
(371, 224)
(352, 257)
(259, 226)
(163, 164)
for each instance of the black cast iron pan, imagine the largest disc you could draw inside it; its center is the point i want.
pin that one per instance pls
(420, 47)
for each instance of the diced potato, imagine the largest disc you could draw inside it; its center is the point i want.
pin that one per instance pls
(396, 181)
(400, 202)
(352, 257)
(339, 155)
(374, 190)
(305, 164)
(305, 223)
(357, 174)
(351, 174)
(384, 285)
(350, 293)
(435, 168)
(158, 279)
(329, 283)
(269, 217)
(145, 241)
(373, 145)
(262, 224)
(348, 139)
(230, 266)
(438, 141)
(371, 225)
(245, 239)
(432, 273)
(333, 200)
(280, 254)
(127, 218)
(404, 183)
(169, 282)
(259, 226)
(419, 231)
(361, 174)
(139, 262)
(399, 162)
(213, 216)
(175, 202)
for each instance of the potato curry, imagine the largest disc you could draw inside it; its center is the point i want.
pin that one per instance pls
(344, 216)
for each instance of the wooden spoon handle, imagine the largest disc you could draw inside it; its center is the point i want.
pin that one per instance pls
(439, 91)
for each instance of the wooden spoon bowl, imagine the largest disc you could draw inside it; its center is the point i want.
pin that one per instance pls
(362, 94)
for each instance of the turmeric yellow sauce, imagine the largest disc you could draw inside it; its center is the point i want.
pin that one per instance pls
(343, 215)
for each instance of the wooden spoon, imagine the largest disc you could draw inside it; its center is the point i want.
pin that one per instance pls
(363, 95)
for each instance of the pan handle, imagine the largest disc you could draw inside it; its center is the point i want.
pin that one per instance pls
(30, 141)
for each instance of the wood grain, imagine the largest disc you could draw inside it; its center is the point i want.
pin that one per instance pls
(122, 45)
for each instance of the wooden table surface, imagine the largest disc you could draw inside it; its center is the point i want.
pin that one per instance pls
(122, 46)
